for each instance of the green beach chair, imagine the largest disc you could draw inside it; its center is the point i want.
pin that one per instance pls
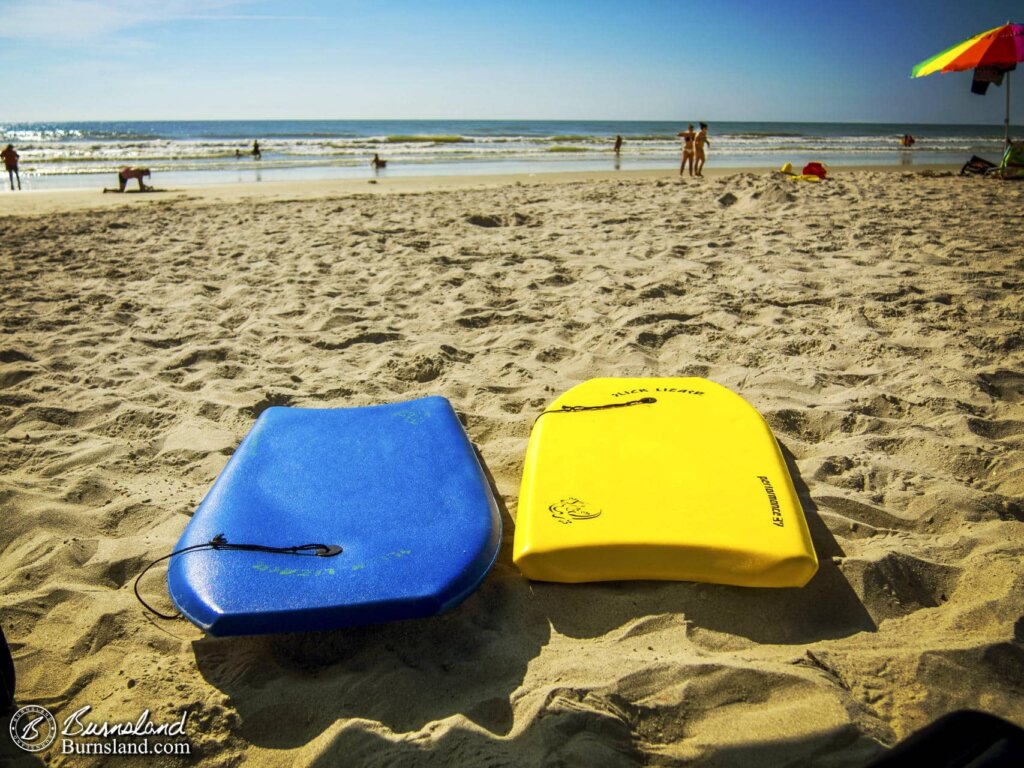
(1012, 165)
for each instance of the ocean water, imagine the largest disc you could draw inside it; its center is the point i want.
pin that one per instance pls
(86, 154)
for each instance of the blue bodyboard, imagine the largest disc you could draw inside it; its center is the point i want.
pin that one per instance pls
(398, 487)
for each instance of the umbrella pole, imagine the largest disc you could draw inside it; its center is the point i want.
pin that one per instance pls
(1006, 120)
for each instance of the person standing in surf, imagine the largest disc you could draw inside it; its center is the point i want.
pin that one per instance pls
(687, 136)
(10, 158)
(699, 143)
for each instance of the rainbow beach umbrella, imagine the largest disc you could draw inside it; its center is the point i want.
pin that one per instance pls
(1001, 48)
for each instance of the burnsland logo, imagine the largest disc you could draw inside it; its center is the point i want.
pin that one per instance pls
(73, 726)
(33, 729)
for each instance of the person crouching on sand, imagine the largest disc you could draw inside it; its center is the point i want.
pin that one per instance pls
(10, 158)
(131, 173)
(698, 151)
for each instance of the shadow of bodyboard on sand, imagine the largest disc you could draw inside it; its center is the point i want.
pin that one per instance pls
(826, 608)
(290, 688)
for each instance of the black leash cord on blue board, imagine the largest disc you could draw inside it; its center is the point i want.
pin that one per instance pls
(219, 542)
(578, 408)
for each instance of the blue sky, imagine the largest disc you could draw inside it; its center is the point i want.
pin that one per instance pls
(809, 60)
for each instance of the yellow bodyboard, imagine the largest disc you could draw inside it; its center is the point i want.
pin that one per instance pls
(679, 479)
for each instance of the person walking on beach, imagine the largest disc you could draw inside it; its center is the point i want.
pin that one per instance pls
(10, 158)
(618, 144)
(256, 150)
(687, 136)
(699, 142)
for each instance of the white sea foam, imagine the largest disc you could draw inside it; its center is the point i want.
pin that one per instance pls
(103, 148)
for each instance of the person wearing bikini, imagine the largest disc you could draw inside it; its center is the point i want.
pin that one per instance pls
(688, 137)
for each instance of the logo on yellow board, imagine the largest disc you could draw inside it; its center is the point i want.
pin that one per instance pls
(570, 509)
(773, 500)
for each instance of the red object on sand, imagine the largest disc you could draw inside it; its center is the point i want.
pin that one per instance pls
(815, 169)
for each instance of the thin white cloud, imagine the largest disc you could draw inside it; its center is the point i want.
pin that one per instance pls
(81, 21)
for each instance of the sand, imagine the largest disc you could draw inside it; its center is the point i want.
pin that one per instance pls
(875, 320)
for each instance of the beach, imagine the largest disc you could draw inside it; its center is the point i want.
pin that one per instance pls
(874, 320)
